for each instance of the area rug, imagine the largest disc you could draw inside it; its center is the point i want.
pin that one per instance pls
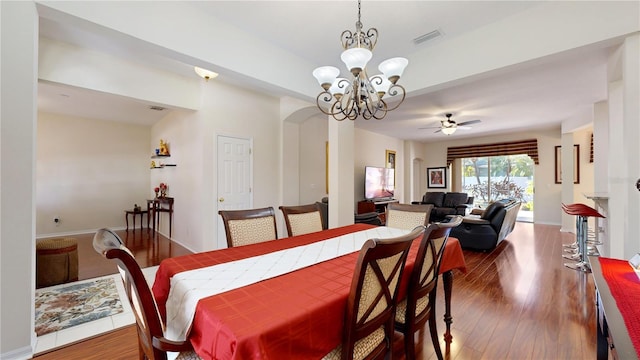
(62, 307)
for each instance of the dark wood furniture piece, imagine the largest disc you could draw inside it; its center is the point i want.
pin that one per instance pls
(302, 219)
(370, 306)
(612, 334)
(244, 227)
(422, 287)
(135, 213)
(157, 206)
(367, 206)
(151, 341)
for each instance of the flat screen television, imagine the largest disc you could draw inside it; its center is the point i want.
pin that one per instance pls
(379, 183)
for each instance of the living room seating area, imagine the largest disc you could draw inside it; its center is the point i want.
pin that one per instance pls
(446, 203)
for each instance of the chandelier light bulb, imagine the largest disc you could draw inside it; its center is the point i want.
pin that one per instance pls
(356, 59)
(338, 87)
(393, 68)
(380, 84)
(326, 75)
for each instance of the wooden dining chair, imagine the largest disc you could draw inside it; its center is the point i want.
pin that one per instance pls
(418, 307)
(152, 344)
(405, 216)
(302, 219)
(368, 327)
(244, 227)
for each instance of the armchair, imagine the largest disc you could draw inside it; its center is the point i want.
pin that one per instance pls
(485, 232)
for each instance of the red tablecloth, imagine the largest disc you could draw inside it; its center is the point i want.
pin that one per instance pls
(297, 315)
(625, 289)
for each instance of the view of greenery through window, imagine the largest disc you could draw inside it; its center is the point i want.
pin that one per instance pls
(492, 178)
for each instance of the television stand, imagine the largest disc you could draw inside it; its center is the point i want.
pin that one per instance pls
(379, 206)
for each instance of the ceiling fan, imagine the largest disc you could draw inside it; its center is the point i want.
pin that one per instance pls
(449, 126)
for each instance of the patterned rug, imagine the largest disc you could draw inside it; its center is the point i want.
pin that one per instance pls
(77, 303)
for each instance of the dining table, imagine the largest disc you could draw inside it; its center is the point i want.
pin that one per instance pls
(297, 314)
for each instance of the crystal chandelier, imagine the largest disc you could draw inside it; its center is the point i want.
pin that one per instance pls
(360, 96)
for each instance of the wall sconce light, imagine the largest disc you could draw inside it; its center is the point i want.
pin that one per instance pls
(205, 74)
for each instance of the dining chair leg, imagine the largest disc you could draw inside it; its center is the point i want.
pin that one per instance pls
(409, 345)
(433, 329)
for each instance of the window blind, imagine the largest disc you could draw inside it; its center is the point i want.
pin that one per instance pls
(529, 147)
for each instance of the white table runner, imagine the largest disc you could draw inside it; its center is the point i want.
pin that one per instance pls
(188, 287)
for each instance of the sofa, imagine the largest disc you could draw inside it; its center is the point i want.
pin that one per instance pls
(485, 231)
(446, 203)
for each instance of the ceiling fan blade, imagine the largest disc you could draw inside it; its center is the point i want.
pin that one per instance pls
(437, 131)
(429, 127)
(468, 122)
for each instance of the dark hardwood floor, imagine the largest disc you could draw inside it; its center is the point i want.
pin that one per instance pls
(516, 302)
(148, 252)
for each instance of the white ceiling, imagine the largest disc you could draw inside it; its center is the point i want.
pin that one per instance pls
(535, 95)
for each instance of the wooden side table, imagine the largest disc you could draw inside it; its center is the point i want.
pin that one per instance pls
(135, 213)
(157, 206)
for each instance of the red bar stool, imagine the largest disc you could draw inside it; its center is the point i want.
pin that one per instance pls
(582, 213)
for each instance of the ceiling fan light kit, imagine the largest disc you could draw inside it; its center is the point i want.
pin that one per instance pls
(448, 130)
(361, 95)
(449, 127)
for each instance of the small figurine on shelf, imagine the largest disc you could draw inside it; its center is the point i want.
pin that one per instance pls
(156, 190)
(163, 190)
(153, 164)
(136, 208)
(164, 149)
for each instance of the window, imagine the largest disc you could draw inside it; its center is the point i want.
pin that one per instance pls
(488, 179)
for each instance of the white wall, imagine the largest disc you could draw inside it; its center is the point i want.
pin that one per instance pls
(313, 135)
(88, 172)
(370, 150)
(547, 207)
(191, 137)
(18, 70)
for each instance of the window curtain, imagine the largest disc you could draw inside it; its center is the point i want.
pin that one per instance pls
(529, 147)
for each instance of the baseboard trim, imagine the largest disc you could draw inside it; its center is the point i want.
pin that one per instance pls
(25, 352)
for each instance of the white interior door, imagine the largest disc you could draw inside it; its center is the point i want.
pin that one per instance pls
(234, 178)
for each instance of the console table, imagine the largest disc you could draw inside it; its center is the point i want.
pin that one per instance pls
(157, 206)
(612, 333)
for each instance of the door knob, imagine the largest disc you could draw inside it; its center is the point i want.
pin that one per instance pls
(221, 200)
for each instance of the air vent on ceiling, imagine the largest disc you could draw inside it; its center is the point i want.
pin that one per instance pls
(157, 108)
(426, 37)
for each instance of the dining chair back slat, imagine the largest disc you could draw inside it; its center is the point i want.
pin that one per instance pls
(302, 219)
(368, 328)
(244, 227)
(152, 344)
(419, 305)
(406, 216)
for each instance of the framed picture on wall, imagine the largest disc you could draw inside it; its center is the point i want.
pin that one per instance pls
(437, 177)
(576, 164)
(390, 159)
